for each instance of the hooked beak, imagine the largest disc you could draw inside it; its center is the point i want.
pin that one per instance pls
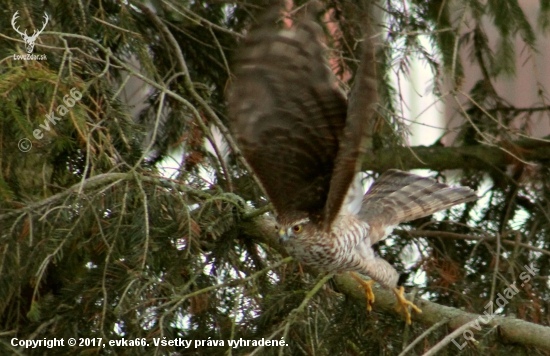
(282, 235)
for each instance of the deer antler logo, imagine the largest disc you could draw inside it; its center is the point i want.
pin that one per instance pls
(29, 40)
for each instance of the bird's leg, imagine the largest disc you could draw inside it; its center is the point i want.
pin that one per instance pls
(367, 286)
(403, 303)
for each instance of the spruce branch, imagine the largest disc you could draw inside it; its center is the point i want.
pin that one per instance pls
(457, 236)
(191, 89)
(438, 158)
(511, 330)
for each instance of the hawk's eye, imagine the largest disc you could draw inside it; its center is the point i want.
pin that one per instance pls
(297, 228)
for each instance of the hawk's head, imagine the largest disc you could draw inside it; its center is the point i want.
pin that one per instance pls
(296, 229)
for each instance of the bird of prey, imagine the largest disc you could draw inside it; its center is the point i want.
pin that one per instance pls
(290, 121)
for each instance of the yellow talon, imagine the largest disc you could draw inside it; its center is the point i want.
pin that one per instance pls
(367, 286)
(403, 303)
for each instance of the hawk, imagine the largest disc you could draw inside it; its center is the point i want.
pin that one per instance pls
(290, 121)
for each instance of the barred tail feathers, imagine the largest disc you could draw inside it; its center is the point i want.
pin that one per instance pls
(398, 196)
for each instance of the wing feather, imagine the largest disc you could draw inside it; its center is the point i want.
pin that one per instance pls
(288, 117)
(398, 197)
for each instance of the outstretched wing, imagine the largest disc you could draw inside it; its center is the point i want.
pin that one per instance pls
(288, 117)
(399, 196)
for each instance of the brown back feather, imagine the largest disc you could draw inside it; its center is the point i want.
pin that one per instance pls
(288, 117)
